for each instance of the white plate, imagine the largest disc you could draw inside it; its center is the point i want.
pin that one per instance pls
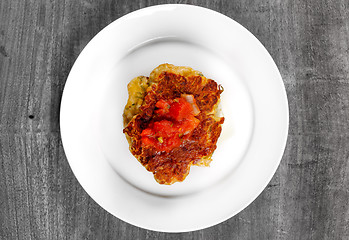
(254, 104)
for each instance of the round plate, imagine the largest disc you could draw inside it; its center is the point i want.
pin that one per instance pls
(254, 105)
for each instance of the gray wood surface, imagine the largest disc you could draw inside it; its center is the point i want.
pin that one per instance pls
(307, 198)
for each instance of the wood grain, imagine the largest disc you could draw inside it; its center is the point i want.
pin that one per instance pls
(307, 198)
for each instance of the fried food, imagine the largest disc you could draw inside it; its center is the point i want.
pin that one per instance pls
(172, 121)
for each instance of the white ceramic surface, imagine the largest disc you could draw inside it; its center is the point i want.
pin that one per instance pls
(254, 105)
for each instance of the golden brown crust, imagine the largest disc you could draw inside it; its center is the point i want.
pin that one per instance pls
(174, 166)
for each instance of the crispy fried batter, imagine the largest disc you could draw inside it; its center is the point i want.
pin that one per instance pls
(174, 166)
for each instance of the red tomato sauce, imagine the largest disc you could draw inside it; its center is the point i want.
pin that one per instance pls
(173, 122)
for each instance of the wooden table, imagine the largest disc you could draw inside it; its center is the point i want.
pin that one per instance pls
(307, 198)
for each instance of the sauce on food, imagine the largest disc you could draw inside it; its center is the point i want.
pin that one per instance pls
(173, 123)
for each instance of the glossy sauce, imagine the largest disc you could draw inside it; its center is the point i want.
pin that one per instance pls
(174, 121)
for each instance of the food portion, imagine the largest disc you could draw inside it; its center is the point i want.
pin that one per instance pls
(172, 121)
